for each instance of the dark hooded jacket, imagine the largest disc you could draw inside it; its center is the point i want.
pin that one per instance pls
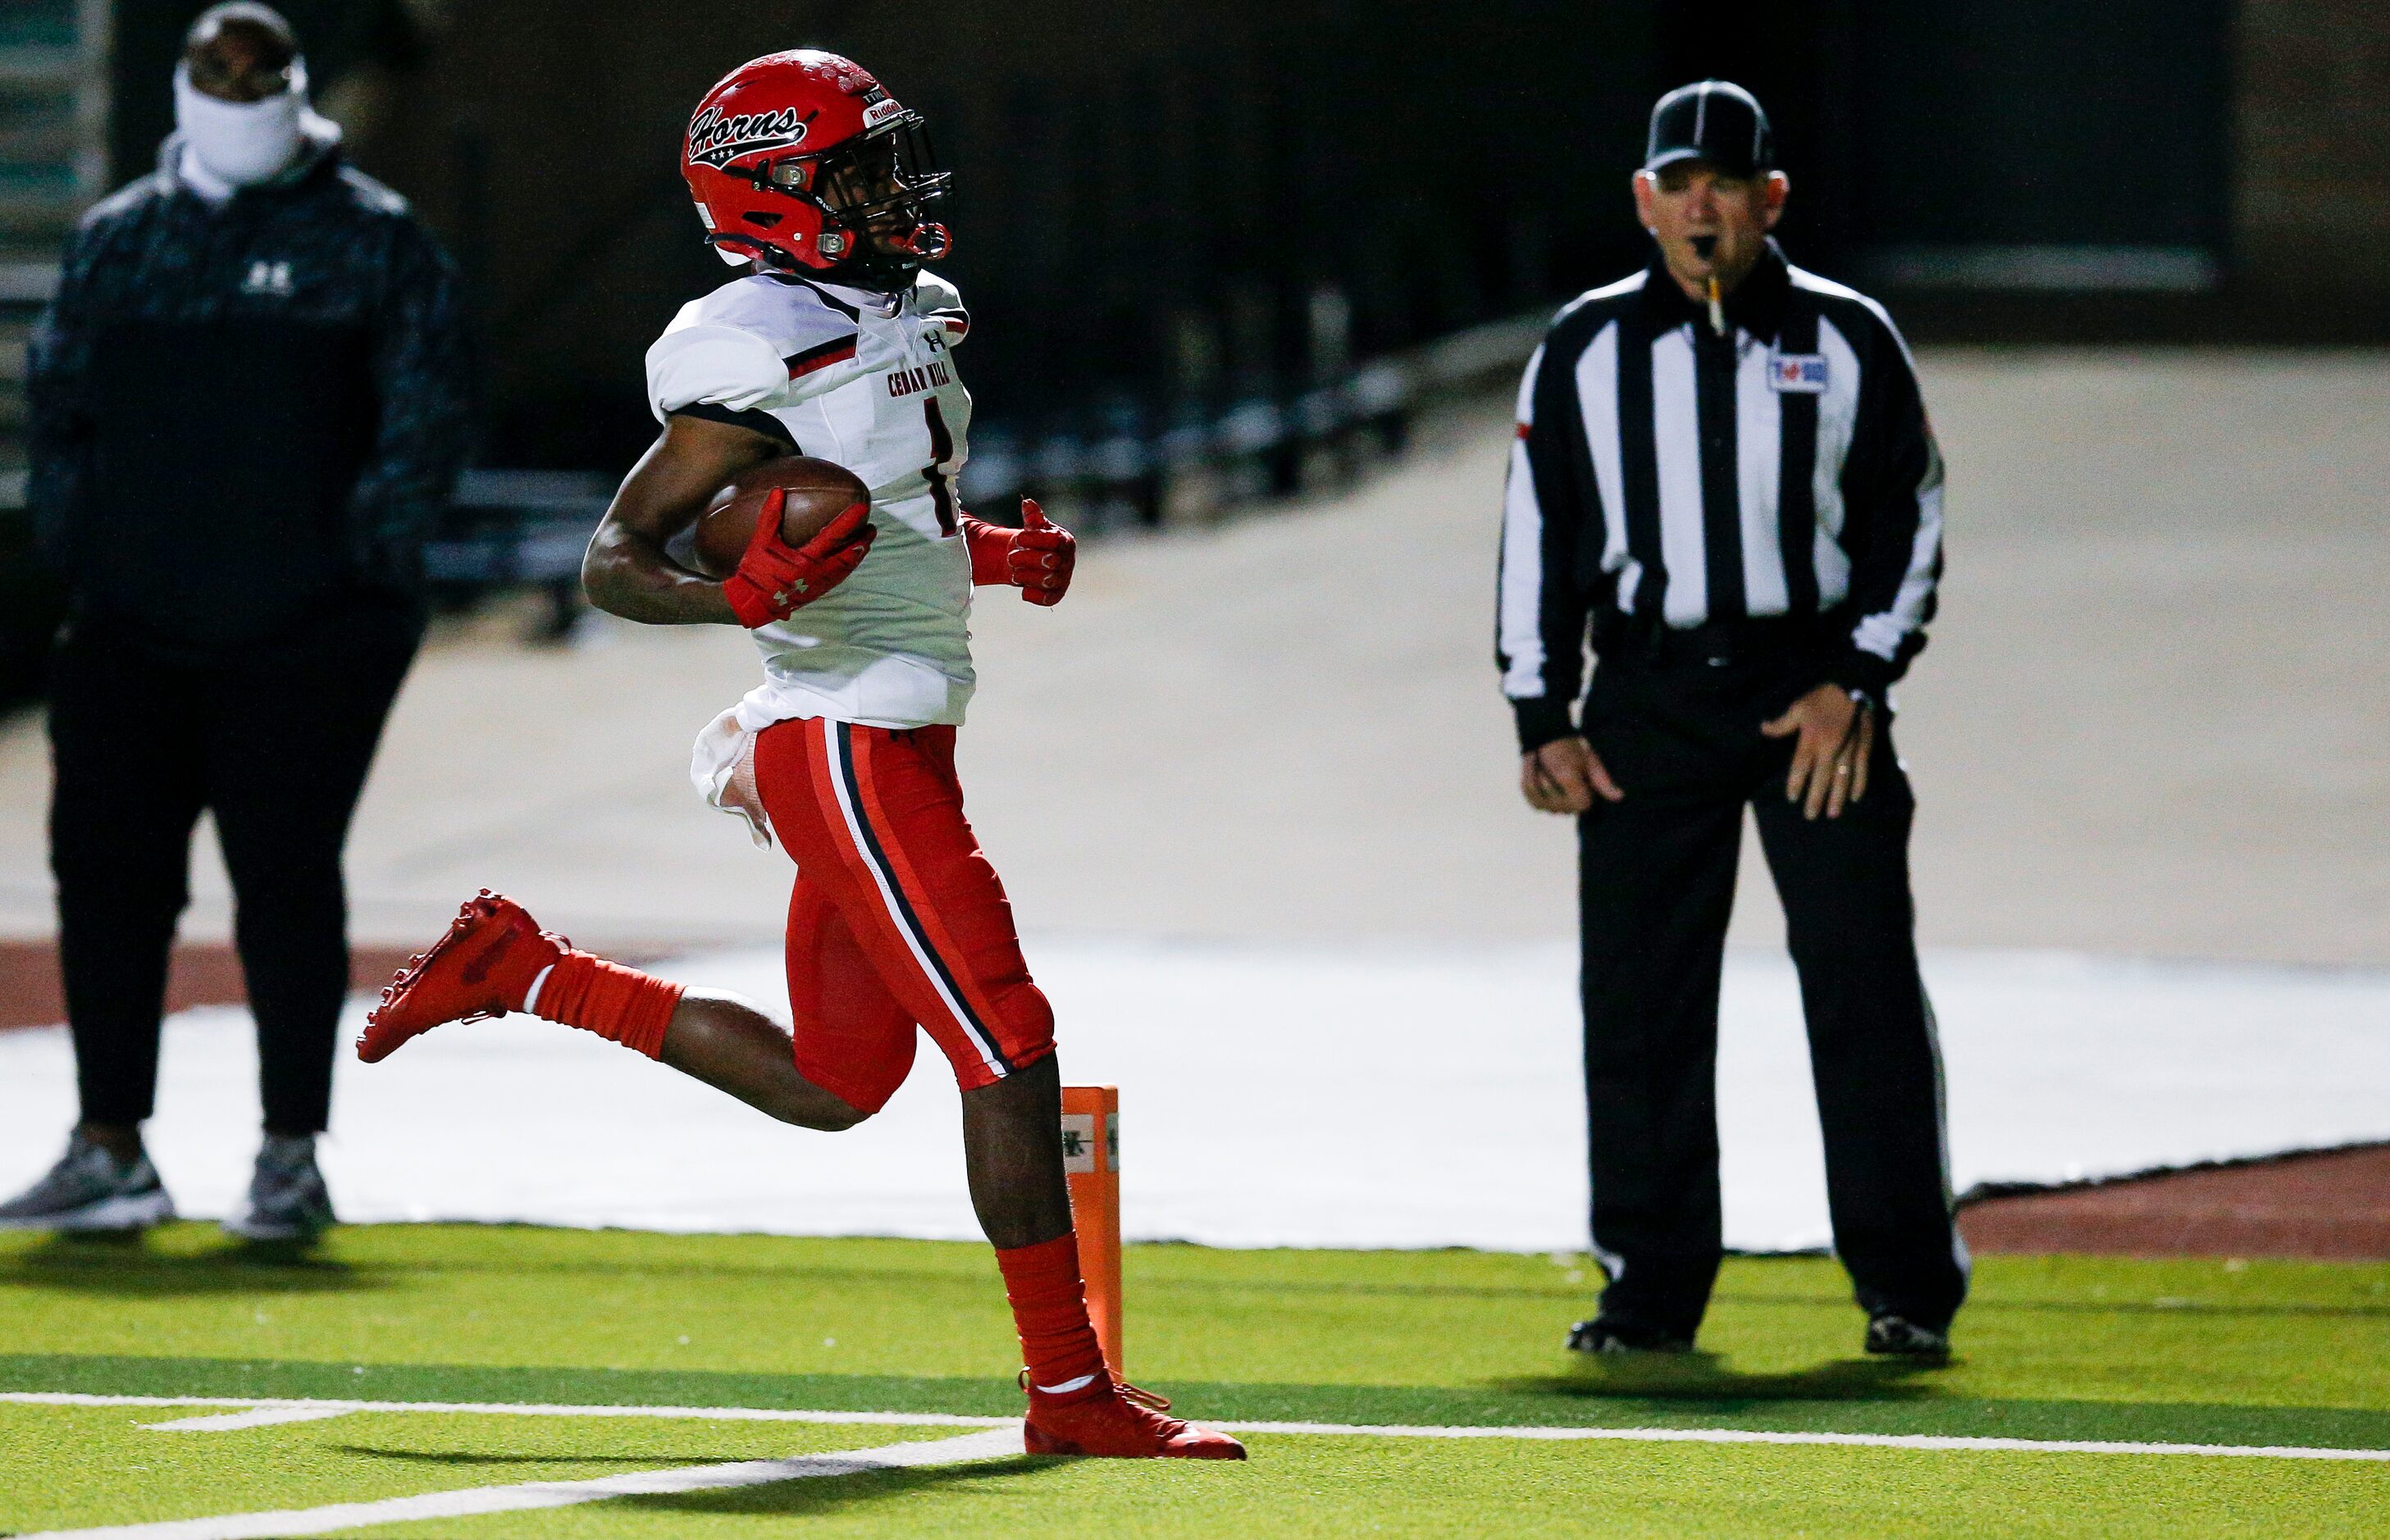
(246, 416)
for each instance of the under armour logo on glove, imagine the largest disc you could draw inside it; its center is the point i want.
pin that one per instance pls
(776, 579)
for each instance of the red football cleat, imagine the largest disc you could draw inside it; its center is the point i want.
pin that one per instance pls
(484, 967)
(1120, 1423)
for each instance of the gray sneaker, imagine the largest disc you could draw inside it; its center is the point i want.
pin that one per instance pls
(287, 1200)
(89, 1190)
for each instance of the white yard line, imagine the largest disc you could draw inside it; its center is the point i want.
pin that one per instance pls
(300, 1409)
(996, 1443)
(256, 1416)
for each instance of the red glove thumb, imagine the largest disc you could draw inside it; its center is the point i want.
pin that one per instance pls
(837, 532)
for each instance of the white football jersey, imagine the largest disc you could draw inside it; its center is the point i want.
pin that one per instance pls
(866, 380)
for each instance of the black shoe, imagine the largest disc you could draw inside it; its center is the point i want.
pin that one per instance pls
(1899, 1337)
(1605, 1335)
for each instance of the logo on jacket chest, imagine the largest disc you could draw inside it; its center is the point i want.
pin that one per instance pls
(269, 277)
(1798, 373)
(910, 382)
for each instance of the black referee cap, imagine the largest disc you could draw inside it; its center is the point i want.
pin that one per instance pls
(1715, 120)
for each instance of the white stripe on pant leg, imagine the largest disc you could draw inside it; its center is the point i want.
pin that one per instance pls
(1942, 1134)
(919, 944)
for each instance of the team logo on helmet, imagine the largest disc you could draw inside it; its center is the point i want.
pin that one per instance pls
(714, 140)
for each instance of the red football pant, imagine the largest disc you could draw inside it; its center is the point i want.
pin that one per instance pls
(897, 918)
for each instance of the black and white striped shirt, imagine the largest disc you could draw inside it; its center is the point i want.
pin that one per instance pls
(1664, 474)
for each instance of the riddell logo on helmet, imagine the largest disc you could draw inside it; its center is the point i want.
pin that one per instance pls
(714, 140)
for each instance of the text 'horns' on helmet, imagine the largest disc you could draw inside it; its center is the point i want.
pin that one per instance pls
(802, 162)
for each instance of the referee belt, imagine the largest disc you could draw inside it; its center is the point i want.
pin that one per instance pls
(1717, 643)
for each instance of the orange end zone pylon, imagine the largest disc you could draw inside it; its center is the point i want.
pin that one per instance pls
(1091, 1158)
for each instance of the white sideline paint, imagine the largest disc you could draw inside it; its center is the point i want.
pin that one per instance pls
(1336, 1429)
(1280, 1096)
(473, 1501)
(1870, 1441)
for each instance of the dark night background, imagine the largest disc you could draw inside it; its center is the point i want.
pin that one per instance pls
(1175, 209)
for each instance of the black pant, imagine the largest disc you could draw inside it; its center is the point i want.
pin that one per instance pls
(1657, 871)
(276, 743)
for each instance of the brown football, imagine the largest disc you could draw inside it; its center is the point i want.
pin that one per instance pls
(819, 492)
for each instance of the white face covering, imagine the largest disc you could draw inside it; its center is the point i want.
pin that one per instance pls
(242, 142)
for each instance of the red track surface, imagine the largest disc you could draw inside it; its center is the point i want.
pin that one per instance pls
(2331, 1205)
(204, 973)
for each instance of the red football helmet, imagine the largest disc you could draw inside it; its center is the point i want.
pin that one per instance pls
(801, 161)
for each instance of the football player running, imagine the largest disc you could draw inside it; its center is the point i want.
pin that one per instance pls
(836, 345)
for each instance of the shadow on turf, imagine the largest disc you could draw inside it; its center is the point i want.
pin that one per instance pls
(1700, 1377)
(820, 1496)
(125, 1266)
(798, 1498)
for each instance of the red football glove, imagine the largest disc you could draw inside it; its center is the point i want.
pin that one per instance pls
(1037, 558)
(776, 579)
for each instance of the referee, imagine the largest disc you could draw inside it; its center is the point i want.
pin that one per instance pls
(1724, 469)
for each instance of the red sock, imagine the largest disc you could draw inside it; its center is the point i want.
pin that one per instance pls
(620, 1003)
(1049, 1305)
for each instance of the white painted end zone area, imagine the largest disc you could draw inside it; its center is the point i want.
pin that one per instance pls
(1308, 1095)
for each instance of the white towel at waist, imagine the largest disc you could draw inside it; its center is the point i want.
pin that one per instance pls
(722, 767)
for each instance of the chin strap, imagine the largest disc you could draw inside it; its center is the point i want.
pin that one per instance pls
(927, 242)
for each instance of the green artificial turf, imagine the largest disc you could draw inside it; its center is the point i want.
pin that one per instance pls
(1336, 1489)
(2252, 1353)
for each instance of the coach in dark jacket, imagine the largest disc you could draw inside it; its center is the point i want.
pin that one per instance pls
(1723, 466)
(249, 403)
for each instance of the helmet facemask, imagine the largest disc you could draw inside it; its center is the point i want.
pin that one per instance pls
(873, 193)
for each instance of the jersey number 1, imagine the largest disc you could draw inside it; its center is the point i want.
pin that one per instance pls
(941, 449)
